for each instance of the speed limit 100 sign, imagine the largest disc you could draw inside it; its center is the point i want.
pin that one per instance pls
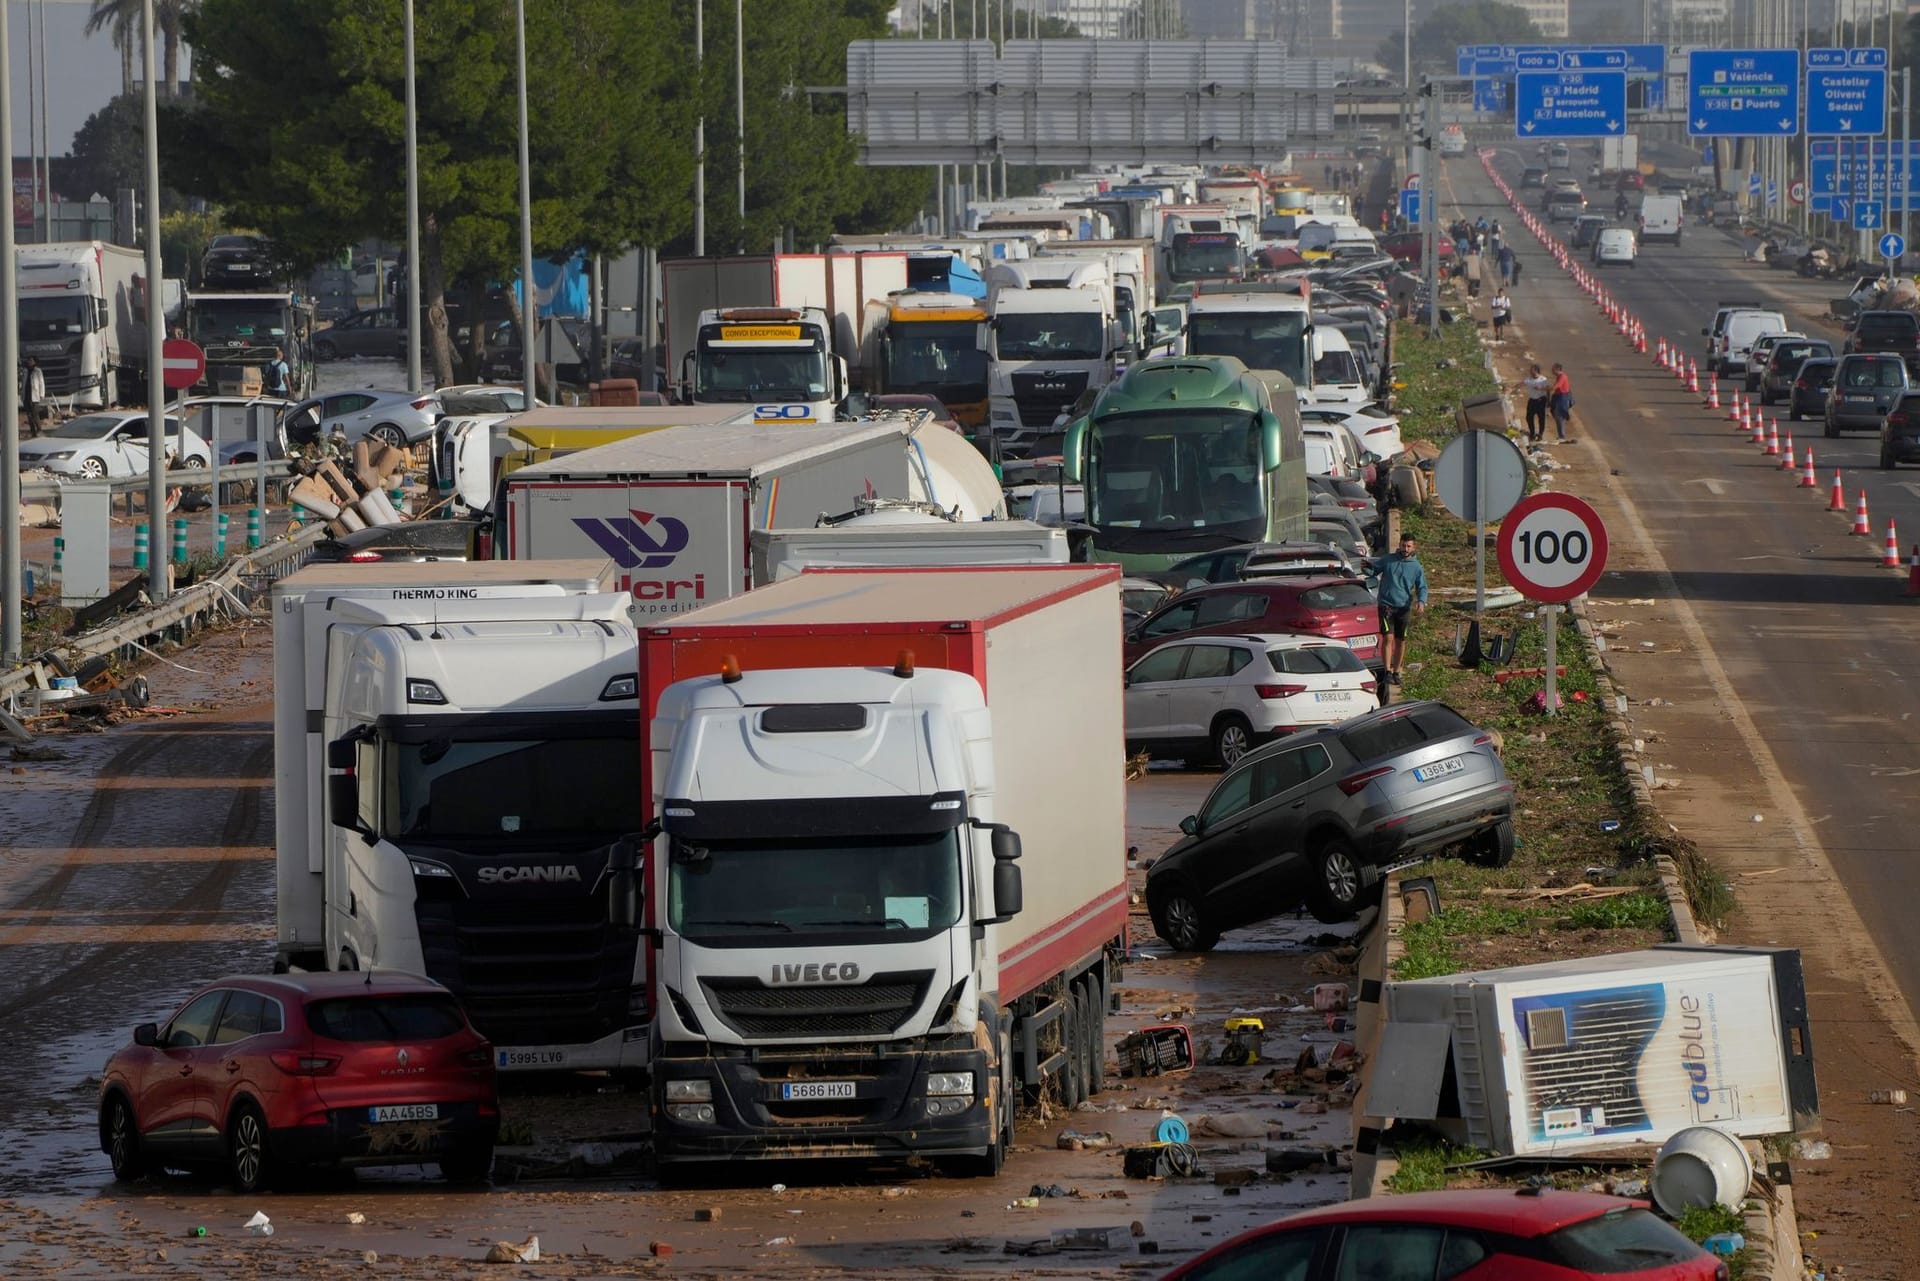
(1552, 547)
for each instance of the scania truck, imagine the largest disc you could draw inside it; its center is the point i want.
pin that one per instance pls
(887, 903)
(83, 317)
(454, 745)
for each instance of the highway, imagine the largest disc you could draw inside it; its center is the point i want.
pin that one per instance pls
(1785, 677)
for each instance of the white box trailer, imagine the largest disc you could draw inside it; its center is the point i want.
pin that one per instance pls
(450, 748)
(888, 894)
(876, 542)
(83, 317)
(674, 508)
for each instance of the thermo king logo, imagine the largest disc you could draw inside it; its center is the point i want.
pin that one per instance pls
(631, 544)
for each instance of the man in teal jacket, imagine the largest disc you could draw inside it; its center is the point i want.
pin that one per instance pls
(1403, 589)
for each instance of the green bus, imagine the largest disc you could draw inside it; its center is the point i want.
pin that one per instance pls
(1189, 454)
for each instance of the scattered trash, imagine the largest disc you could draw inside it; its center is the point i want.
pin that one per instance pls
(1201, 1218)
(1173, 1130)
(1137, 1228)
(1159, 1160)
(1244, 1036)
(1101, 1238)
(1046, 1190)
(1630, 1187)
(527, 1251)
(1609, 824)
(1759, 819)
(1234, 1179)
(1024, 1203)
(1896, 1097)
(1294, 1160)
(196, 1230)
(356, 1218)
(595, 1156)
(1331, 998)
(779, 1187)
(1076, 1141)
(660, 1249)
(260, 1225)
(1149, 1247)
(707, 1214)
(893, 1194)
(1153, 1051)
(1725, 1243)
(369, 1257)
(779, 1241)
(1812, 1150)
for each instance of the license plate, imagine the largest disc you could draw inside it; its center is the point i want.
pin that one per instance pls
(1865, 400)
(1363, 642)
(1440, 769)
(1340, 697)
(816, 1090)
(531, 1058)
(405, 1112)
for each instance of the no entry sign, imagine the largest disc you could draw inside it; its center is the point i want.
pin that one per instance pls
(181, 363)
(1552, 547)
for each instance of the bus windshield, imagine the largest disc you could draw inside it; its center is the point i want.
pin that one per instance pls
(1173, 470)
(1259, 339)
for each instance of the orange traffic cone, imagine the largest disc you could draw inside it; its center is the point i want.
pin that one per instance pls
(1890, 555)
(1807, 480)
(1736, 409)
(1713, 394)
(1913, 572)
(1693, 378)
(1861, 529)
(1786, 457)
(1759, 436)
(1661, 348)
(1773, 439)
(1837, 502)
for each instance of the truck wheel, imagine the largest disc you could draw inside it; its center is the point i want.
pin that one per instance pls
(1493, 847)
(1069, 1074)
(1179, 922)
(1096, 1036)
(1335, 892)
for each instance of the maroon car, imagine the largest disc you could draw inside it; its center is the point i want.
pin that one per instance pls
(1334, 606)
(262, 1074)
(1405, 245)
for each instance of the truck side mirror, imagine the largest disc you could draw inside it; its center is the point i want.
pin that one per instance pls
(344, 807)
(1007, 894)
(623, 884)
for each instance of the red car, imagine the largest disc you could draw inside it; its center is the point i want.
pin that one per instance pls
(1405, 245)
(261, 1075)
(1334, 606)
(1482, 1234)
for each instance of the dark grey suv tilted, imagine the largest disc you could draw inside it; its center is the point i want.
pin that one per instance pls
(1312, 818)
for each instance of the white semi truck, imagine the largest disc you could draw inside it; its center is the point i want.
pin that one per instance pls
(453, 748)
(887, 903)
(1052, 330)
(83, 317)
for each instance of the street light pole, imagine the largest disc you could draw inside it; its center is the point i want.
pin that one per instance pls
(699, 134)
(529, 305)
(10, 593)
(157, 563)
(46, 153)
(740, 107)
(414, 380)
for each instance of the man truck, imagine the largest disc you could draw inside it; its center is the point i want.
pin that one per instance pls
(83, 317)
(453, 759)
(1051, 335)
(887, 899)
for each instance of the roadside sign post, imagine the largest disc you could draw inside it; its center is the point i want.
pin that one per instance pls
(1743, 93)
(181, 365)
(1553, 548)
(1480, 475)
(1892, 246)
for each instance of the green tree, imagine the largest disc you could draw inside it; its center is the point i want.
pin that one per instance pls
(108, 152)
(1447, 28)
(609, 102)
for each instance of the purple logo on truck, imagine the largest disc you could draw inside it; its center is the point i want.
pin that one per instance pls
(632, 544)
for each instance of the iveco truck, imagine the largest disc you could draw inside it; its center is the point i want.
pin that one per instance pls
(888, 900)
(454, 746)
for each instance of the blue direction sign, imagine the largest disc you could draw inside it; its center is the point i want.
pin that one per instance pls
(1570, 104)
(1892, 245)
(1743, 93)
(1773, 192)
(1868, 215)
(1410, 205)
(1846, 91)
(1593, 59)
(1543, 60)
(1490, 94)
(1861, 169)
(1753, 184)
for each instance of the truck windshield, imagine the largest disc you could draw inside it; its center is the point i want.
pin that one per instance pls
(445, 789)
(743, 892)
(935, 356)
(44, 318)
(1206, 254)
(744, 374)
(1258, 339)
(1061, 336)
(225, 322)
(1190, 469)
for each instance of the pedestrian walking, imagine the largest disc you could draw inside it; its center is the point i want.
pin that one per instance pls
(1502, 312)
(1506, 265)
(1471, 265)
(1560, 403)
(273, 376)
(1539, 389)
(1403, 592)
(1516, 271)
(33, 393)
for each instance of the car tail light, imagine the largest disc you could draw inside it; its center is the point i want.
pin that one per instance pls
(1799, 384)
(426, 402)
(361, 558)
(1483, 740)
(294, 1063)
(1368, 686)
(479, 1056)
(1896, 419)
(1279, 691)
(1352, 783)
(1384, 427)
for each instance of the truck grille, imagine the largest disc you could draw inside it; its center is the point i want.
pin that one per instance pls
(1041, 398)
(62, 373)
(532, 973)
(874, 1008)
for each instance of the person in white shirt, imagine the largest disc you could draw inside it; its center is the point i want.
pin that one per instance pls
(1538, 388)
(33, 393)
(1502, 312)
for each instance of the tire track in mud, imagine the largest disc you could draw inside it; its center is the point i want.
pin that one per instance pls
(100, 962)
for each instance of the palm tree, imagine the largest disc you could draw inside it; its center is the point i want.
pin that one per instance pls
(121, 19)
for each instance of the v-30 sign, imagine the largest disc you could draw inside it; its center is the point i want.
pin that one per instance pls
(1553, 547)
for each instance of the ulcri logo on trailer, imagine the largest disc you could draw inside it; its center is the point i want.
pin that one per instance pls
(631, 544)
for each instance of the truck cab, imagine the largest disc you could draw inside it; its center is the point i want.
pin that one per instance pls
(238, 333)
(1051, 334)
(779, 360)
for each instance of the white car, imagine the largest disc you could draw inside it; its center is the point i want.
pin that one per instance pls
(1615, 245)
(1331, 450)
(468, 443)
(396, 418)
(109, 445)
(1373, 430)
(1224, 695)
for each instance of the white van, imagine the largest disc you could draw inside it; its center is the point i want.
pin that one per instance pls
(1661, 218)
(1736, 339)
(1453, 141)
(1614, 245)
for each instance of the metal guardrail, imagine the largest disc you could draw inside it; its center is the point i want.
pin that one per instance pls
(246, 576)
(196, 477)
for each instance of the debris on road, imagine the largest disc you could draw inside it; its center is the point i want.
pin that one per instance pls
(527, 1251)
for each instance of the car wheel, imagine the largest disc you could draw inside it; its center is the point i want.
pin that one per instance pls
(122, 1140)
(94, 469)
(1181, 925)
(247, 1156)
(1336, 893)
(467, 1163)
(1232, 739)
(323, 350)
(1766, 397)
(1793, 412)
(194, 462)
(388, 434)
(1493, 847)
